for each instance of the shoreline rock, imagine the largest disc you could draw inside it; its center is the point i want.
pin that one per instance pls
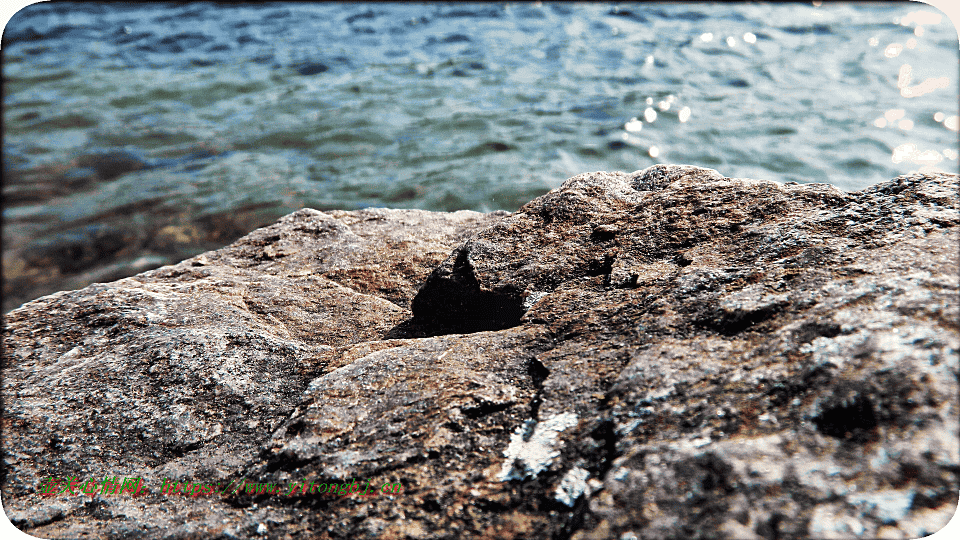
(666, 353)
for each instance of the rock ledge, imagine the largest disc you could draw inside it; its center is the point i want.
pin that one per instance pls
(666, 353)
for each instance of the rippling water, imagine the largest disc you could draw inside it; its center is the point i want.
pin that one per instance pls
(140, 134)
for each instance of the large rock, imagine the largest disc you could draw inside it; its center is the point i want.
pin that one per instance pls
(662, 354)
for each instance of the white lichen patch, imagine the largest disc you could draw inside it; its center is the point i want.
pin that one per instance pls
(888, 506)
(572, 485)
(531, 448)
(834, 521)
(894, 346)
(532, 299)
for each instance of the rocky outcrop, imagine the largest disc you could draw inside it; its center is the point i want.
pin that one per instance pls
(662, 354)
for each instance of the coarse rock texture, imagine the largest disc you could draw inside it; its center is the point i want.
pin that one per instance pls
(667, 353)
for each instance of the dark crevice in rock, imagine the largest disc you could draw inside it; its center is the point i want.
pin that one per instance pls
(853, 420)
(473, 311)
(409, 329)
(731, 323)
(492, 506)
(452, 302)
(771, 527)
(454, 427)
(181, 451)
(538, 373)
(711, 474)
(934, 498)
(600, 267)
(811, 331)
(431, 505)
(417, 459)
(485, 409)
(604, 233)
(606, 434)
(296, 428)
(576, 520)
(285, 461)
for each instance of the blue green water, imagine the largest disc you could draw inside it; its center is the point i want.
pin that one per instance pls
(139, 134)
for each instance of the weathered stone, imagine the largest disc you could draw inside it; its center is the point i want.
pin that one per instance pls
(668, 353)
(183, 371)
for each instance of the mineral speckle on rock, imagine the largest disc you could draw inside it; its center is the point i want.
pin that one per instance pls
(666, 353)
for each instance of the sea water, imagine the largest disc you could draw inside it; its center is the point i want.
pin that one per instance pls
(139, 134)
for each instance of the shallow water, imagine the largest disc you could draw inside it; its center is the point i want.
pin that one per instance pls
(137, 135)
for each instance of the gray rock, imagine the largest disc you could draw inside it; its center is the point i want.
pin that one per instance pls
(667, 353)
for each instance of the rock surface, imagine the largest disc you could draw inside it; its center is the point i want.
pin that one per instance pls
(662, 354)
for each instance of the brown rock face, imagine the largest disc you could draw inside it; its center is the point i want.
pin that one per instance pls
(662, 354)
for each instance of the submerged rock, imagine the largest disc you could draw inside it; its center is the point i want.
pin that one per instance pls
(110, 165)
(665, 353)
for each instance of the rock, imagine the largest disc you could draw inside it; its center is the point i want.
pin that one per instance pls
(311, 68)
(111, 165)
(665, 353)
